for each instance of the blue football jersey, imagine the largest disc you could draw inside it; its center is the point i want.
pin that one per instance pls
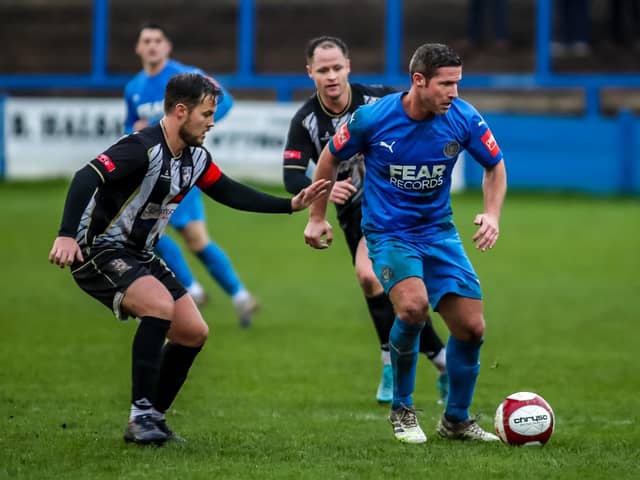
(409, 163)
(144, 95)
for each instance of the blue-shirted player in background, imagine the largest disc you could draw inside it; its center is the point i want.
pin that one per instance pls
(144, 101)
(410, 142)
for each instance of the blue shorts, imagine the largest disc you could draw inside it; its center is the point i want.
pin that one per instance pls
(442, 264)
(190, 209)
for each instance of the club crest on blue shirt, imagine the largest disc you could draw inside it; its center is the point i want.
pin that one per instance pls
(451, 149)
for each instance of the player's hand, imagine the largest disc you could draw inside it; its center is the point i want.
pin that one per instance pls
(315, 231)
(65, 251)
(342, 191)
(307, 195)
(487, 235)
(140, 124)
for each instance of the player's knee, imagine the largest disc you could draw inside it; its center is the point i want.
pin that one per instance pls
(200, 335)
(414, 312)
(195, 335)
(195, 236)
(165, 306)
(196, 244)
(475, 330)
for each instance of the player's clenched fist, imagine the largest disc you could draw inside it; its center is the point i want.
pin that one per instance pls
(315, 231)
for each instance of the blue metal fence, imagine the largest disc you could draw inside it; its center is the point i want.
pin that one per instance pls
(606, 159)
(285, 84)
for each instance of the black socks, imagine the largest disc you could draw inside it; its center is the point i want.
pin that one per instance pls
(145, 359)
(174, 367)
(383, 315)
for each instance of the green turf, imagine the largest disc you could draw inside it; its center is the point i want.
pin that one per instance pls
(293, 397)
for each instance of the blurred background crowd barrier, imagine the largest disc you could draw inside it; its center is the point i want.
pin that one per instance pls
(558, 81)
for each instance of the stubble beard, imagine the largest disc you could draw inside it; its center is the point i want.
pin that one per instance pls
(189, 139)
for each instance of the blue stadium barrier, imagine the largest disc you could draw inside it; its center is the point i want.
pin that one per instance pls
(285, 85)
(2, 130)
(604, 160)
(595, 155)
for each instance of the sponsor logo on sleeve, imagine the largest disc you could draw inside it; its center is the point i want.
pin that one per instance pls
(341, 137)
(490, 143)
(292, 154)
(106, 162)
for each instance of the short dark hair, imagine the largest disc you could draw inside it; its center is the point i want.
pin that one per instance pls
(325, 41)
(153, 26)
(190, 89)
(430, 57)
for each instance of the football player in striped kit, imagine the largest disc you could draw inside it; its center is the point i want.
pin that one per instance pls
(117, 207)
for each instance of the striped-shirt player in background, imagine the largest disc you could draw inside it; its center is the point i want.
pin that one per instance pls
(312, 126)
(410, 142)
(144, 103)
(117, 208)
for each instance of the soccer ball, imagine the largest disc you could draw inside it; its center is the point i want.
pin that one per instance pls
(524, 418)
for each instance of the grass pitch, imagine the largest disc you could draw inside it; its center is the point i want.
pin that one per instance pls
(294, 396)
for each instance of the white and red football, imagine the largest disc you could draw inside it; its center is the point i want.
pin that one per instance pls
(524, 418)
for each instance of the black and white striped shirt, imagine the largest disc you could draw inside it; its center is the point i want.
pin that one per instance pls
(310, 130)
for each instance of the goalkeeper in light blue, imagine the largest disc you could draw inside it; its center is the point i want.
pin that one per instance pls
(411, 141)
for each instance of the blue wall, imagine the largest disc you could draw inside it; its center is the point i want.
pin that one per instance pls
(589, 154)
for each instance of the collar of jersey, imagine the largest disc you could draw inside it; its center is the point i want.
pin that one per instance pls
(166, 140)
(331, 114)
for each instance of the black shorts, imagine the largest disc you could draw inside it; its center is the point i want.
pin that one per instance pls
(107, 273)
(350, 223)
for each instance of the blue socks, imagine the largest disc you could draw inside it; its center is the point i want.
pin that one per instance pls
(170, 252)
(220, 268)
(463, 366)
(404, 340)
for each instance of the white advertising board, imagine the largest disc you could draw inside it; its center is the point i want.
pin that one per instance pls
(53, 137)
(47, 137)
(249, 141)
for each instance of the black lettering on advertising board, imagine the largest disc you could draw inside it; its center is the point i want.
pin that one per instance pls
(18, 126)
(80, 126)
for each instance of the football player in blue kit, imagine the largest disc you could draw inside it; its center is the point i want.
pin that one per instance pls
(411, 141)
(144, 103)
(335, 99)
(117, 207)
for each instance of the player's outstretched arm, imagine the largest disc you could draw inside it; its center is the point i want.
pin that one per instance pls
(308, 195)
(237, 195)
(494, 188)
